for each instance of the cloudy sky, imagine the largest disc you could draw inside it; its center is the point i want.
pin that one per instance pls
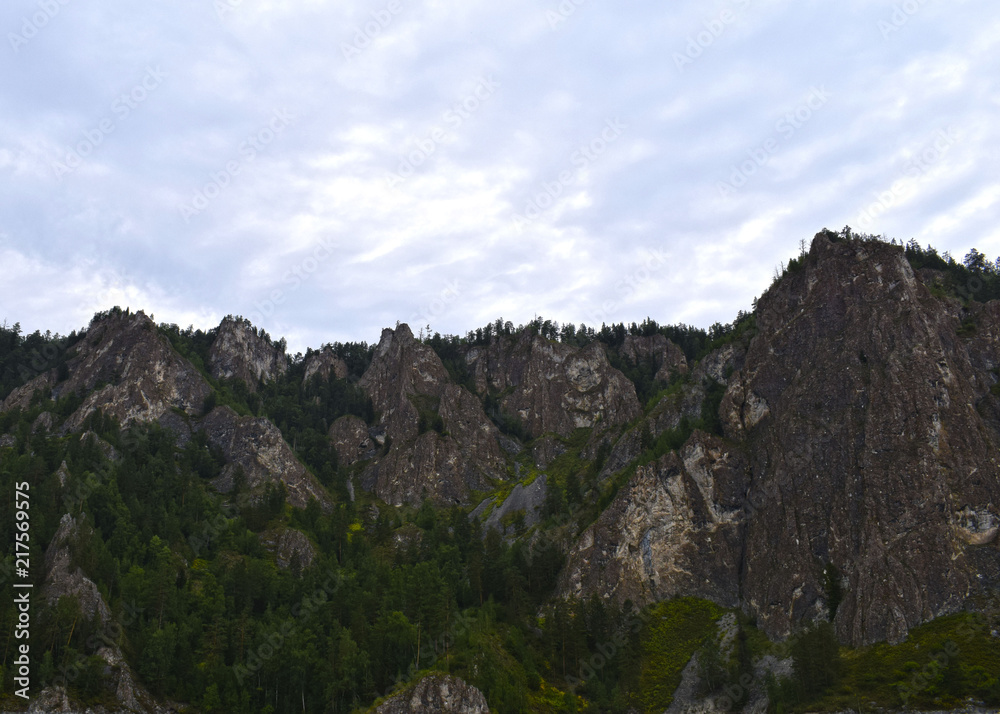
(328, 168)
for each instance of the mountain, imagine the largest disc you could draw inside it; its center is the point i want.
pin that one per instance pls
(564, 517)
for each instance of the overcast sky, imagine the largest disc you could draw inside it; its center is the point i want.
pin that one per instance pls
(329, 168)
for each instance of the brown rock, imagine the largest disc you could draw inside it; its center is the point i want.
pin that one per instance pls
(859, 403)
(350, 436)
(142, 376)
(441, 442)
(666, 355)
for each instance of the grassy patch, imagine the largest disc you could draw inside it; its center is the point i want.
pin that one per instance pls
(675, 630)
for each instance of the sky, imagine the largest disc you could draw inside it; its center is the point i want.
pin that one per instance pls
(327, 169)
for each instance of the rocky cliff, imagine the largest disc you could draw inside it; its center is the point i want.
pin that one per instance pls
(255, 446)
(675, 529)
(553, 387)
(242, 351)
(872, 445)
(127, 369)
(441, 443)
(861, 439)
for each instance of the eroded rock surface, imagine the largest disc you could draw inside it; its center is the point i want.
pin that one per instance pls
(256, 445)
(139, 375)
(676, 528)
(437, 693)
(326, 364)
(241, 351)
(554, 387)
(442, 444)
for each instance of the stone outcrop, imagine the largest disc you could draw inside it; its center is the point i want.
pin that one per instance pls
(436, 693)
(125, 368)
(290, 548)
(63, 579)
(528, 500)
(675, 529)
(256, 446)
(241, 351)
(353, 440)
(553, 387)
(664, 354)
(442, 445)
(326, 364)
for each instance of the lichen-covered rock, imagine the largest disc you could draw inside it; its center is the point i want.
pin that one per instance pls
(256, 445)
(674, 529)
(528, 501)
(665, 355)
(289, 547)
(326, 364)
(241, 351)
(125, 368)
(43, 422)
(352, 441)
(553, 387)
(63, 579)
(858, 401)
(546, 449)
(441, 443)
(442, 694)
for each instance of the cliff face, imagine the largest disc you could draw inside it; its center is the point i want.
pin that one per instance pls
(553, 387)
(861, 434)
(241, 351)
(326, 364)
(441, 442)
(125, 368)
(256, 445)
(860, 405)
(675, 529)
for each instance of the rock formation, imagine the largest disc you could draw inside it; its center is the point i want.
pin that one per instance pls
(553, 387)
(241, 351)
(441, 442)
(256, 446)
(436, 693)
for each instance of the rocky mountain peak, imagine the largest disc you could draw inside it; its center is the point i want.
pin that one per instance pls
(242, 351)
(441, 443)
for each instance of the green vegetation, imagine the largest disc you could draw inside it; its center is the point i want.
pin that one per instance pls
(674, 631)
